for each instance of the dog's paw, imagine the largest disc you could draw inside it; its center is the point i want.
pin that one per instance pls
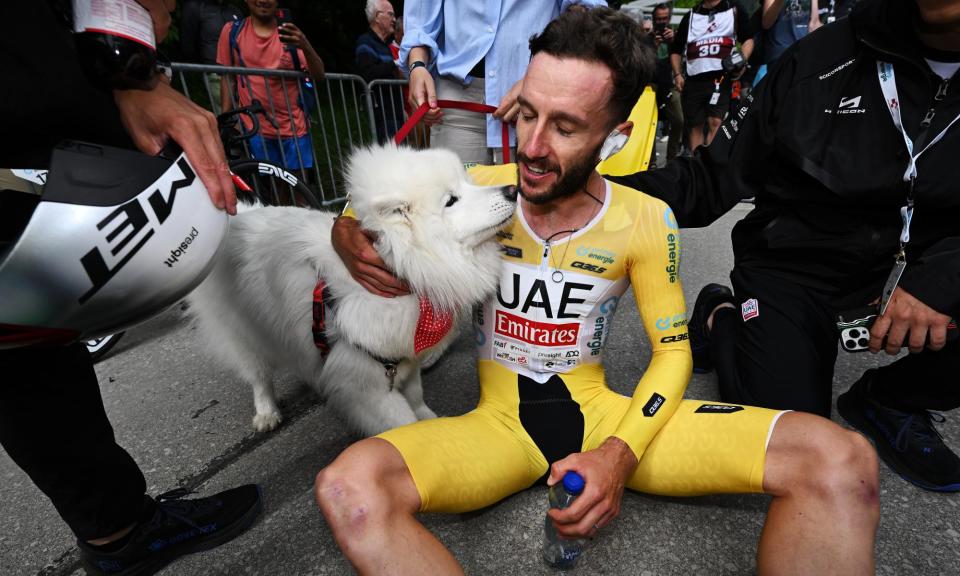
(267, 422)
(424, 413)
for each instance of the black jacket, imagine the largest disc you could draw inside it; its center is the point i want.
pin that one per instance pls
(44, 95)
(828, 179)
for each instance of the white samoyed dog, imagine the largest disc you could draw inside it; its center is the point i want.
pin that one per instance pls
(257, 311)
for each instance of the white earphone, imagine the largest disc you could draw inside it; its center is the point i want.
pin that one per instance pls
(614, 142)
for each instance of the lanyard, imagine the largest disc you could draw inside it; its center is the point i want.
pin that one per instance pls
(888, 85)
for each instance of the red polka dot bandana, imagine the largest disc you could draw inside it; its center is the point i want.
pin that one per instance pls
(432, 326)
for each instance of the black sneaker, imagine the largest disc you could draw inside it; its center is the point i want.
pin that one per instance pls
(710, 296)
(906, 441)
(176, 528)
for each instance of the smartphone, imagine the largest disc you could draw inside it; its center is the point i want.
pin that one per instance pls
(284, 16)
(854, 327)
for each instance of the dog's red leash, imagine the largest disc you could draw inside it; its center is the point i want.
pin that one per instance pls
(459, 105)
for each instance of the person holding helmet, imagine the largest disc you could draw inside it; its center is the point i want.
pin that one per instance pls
(52, 419)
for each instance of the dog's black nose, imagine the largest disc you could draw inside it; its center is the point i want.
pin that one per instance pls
(509, 192)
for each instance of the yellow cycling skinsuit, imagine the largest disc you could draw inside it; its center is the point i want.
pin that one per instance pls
(542, 389)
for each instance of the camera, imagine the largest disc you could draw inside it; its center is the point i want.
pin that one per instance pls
(659, 28)
(734, 61)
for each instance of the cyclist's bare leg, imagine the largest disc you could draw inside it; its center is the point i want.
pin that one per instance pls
(370, 501)
(825, 510)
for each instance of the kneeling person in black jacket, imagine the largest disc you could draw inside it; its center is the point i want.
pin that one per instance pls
(849, 149)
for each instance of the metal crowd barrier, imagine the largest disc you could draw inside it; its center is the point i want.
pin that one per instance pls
(388, 103)
(341, 119)
(348, 114)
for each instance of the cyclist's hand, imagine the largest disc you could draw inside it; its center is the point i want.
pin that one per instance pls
(422, 89)
(605, 471)
(160, 13)
(509, 108)
(151, 117)
(908, 314)
(356, 251)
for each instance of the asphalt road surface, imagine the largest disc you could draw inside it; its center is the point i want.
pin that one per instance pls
(187, 422)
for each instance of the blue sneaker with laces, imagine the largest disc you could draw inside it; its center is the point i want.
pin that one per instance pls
(906, 441)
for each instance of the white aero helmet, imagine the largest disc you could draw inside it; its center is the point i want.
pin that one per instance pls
(115, 237)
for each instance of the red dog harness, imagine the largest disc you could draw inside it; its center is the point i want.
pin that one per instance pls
(432, 325)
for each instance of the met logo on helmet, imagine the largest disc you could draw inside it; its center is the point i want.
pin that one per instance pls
(132, 218)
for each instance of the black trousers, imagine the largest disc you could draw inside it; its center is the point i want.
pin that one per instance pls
(784, 356)
(53, 425)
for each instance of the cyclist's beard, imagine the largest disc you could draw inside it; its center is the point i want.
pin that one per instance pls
(570, 181)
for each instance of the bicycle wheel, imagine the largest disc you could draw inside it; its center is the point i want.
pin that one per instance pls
(99, 347)
(273, 185)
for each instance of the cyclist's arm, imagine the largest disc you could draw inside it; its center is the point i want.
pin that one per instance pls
(606, 468)
(654, 259)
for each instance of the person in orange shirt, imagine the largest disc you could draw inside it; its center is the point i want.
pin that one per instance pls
(260, 41)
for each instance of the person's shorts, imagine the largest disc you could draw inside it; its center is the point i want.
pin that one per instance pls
(269, 149)
(697, 92)
(467, 462)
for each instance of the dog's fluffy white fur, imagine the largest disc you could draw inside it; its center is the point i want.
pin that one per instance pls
(434, 229)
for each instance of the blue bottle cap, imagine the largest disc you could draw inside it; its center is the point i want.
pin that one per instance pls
(573, 482)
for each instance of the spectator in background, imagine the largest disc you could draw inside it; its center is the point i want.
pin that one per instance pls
(668, 96)
(374, 60)
(708, 35)
(479, 52)
(260, 42)
(200, 25)
(647, 25)
(784, 22)
(397, 39)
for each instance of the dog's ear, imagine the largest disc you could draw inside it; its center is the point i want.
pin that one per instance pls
(394, 209)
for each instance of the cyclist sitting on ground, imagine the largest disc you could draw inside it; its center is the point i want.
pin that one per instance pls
(575, 245)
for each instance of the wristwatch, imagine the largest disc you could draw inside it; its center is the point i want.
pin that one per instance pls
(417, 64)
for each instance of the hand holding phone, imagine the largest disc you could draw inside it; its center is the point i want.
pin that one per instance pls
(286, 29)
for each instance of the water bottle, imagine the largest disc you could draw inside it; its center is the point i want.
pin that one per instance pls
(560, 552)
